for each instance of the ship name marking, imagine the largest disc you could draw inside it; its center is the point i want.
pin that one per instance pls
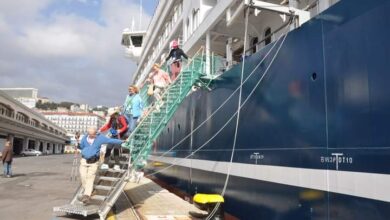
(256, 156)
(337, 158)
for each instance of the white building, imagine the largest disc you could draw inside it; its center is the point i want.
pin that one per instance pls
(100, 113)
(27, 96)
(80, 108)
(43, 100)
(85, 107)
(75, 108)
(75, 121)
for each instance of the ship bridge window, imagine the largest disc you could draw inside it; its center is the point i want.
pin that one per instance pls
(125, 41)
(267, 36)
(137, 41)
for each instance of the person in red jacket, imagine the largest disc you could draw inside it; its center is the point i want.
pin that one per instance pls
(117, 127)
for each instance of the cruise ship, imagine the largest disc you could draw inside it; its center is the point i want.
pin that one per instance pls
(292, 119)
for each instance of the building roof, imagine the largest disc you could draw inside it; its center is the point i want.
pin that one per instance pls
(72, 114)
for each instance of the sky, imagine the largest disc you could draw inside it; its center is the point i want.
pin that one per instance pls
(69, 49)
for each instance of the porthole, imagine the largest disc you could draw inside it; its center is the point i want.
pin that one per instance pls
(313, 76)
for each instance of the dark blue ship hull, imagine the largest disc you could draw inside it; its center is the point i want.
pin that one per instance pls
(313, 140)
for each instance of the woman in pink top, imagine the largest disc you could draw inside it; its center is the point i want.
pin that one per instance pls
(160, 79)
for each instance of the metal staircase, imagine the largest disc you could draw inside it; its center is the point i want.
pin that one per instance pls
(141, 140)
(110, 183)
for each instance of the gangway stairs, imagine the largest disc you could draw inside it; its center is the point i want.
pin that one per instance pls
(110, 183)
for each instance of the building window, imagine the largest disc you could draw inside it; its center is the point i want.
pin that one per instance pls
(22, 117)
(5, 110)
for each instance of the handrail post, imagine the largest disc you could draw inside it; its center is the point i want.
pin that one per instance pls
(166, 109)
(181, 82)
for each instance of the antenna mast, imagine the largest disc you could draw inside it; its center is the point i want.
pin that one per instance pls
(140, 15)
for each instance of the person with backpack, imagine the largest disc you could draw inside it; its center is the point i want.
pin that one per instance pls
(117, 124)
(175, 55)
(7, 156)
(117, 127)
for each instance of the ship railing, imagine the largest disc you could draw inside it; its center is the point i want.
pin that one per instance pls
(195, 67)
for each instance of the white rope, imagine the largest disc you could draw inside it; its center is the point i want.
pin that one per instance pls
(216, 207)
(239, 102)
(230, 119)
(223, 104)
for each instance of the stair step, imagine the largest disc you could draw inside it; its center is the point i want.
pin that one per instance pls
(108, 178)
(141, 135)
(111, 170)
(101, 187)
(116, 171)
(98, 197)
(120, 162)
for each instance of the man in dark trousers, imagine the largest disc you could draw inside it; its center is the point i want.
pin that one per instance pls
(7, 156)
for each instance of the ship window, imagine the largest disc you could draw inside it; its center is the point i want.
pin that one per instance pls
(195, 20)
(126, 40)
(137, 41)
(188, 28)
(254, 42)
(267, 36)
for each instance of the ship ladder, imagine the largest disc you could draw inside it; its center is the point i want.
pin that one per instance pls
(141, 140)
(110, 183)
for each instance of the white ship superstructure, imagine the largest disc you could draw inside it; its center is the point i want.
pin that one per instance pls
(215, 24)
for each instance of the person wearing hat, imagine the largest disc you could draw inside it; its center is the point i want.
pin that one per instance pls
(117, 127)
(176, 55)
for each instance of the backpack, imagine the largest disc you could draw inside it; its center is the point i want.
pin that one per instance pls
(115, 124)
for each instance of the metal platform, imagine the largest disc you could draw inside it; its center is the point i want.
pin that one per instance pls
(79, 209)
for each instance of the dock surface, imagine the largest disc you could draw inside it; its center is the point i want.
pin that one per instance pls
(152, 202)
(39, 183)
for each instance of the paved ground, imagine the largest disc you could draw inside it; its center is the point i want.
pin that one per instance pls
(155, 203)
(39, 183)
